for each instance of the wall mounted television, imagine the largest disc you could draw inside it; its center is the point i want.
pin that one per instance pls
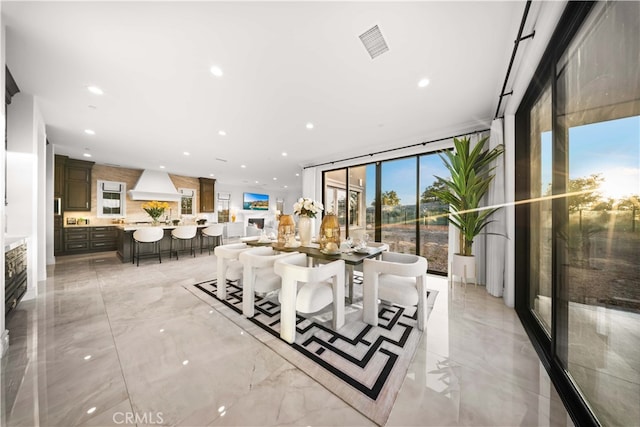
(255, 202)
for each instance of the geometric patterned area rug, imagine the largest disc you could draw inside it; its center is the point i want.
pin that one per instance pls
(363, 365)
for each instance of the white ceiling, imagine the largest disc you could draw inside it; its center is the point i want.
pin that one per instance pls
(285, 64)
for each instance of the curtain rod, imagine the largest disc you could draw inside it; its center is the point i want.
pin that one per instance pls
(513, 55)
(396, 149)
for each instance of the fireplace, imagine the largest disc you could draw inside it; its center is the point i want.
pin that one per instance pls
(259, 222)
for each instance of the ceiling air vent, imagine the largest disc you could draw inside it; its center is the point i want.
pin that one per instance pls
(221, 160)
(374, 42)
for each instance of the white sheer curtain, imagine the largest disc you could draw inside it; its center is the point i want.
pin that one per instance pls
(496, 232)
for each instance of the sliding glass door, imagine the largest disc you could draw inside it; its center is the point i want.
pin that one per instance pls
(398, 198)
(579, 200)
(433, 214)
(391, 202)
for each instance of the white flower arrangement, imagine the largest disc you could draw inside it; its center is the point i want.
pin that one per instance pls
(307, 207)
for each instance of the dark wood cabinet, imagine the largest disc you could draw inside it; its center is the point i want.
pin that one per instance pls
(58, 176)
(103, 239)
(79, 240)
(207, 195)
(77, 188)
(58, 237)
(76, 240)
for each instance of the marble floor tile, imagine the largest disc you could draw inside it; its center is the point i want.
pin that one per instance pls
(104, 341)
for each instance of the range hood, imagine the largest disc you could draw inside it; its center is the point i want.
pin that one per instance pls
(154, 185)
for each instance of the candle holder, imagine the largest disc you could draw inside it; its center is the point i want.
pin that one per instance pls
(286, 229)
(330, 234)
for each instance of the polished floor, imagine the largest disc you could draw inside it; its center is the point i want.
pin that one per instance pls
(107, 343)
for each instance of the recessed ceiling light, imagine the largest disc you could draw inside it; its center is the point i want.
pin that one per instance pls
(216, 71)
(222, 133)
(91, 410)
(423, 83)
(284, 154)
(257, 182)
(95, 90)
(87, 357)
(185, 362)
(309, 125)
(211, 174)
(285, 186)
(297, 174)
(161, 166)
(90, 131)
(186, 153)
(87, 155)
(275, 179)
(243, 166)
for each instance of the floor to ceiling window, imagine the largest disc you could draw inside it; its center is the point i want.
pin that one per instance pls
(391, 202)
(579, 141)
(398, 199)
(433, 214)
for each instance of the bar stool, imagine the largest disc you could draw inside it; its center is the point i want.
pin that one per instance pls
(147, 235)
(183, 232)
(213, 232)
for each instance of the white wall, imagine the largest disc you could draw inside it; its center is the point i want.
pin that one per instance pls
(4, 337)
(290, 196)
(48, 214)
(26, 183)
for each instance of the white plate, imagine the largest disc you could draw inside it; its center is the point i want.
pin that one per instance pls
(363, 251)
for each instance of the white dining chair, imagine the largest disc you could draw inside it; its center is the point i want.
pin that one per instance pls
(398, 278)
(308, 290)
(184, 233)
(147, 235)
(228, 266)
(215, 232)
(258, 275)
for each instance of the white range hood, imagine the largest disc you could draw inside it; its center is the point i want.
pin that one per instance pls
(154, 185)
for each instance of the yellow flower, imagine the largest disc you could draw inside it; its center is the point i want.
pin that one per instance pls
(155, 209)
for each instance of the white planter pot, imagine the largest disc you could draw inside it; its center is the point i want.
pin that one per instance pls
(463, 267)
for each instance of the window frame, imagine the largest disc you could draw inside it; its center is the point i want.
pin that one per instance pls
(100, 200)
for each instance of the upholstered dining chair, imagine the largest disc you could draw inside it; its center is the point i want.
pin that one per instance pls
(183, 232)
(258, 275)
(147, 235)
(307, 290)
(214, 232)
(398, 278)
(228, 266)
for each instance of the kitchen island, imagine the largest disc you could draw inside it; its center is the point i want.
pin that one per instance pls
(125, 240)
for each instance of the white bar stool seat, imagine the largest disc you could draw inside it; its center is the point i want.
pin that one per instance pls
(147, 235)
(214, 232)
(183, 232)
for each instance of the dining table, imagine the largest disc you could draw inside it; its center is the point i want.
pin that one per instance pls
(351, 257)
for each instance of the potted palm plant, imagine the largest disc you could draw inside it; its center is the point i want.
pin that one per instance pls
(463, 191)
